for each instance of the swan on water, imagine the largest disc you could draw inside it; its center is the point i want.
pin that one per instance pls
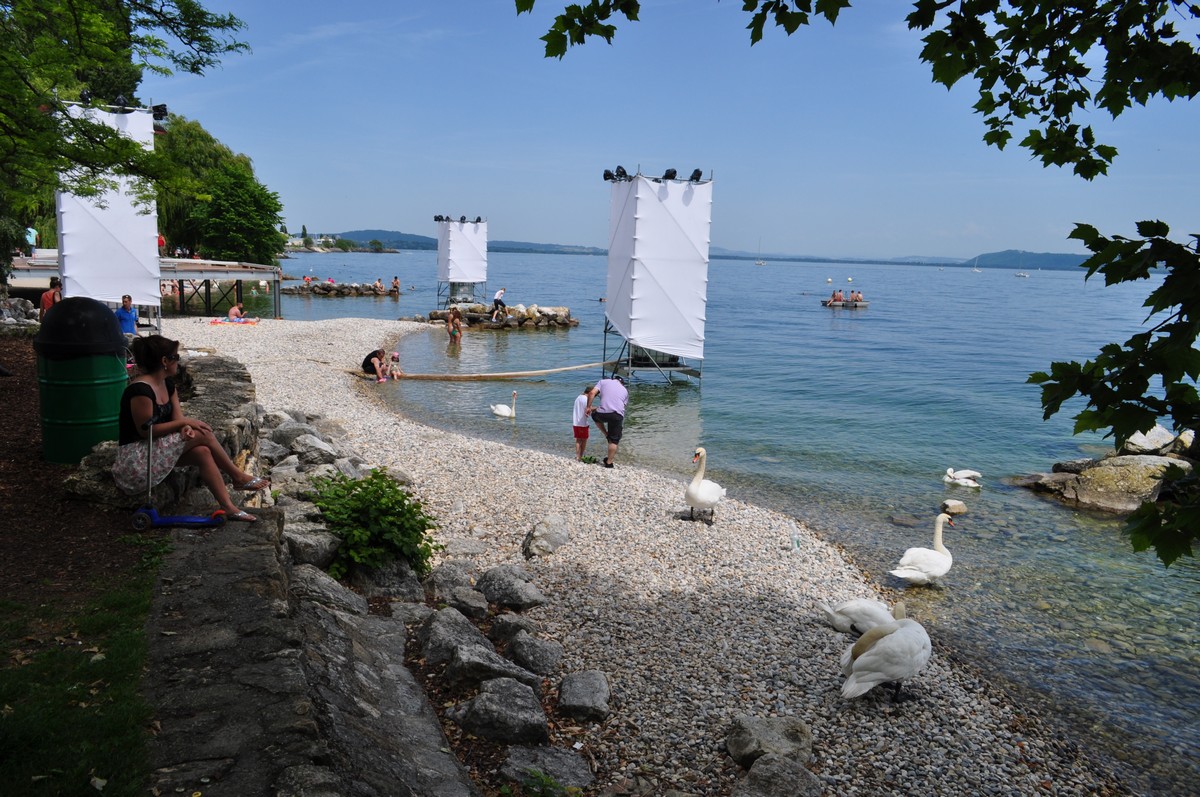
(859, 615)
(701, 493)
(925, 565)
(505, 411)
(888, 653)
(952, 474)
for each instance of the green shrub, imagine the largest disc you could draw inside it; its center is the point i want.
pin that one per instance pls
(377, 522)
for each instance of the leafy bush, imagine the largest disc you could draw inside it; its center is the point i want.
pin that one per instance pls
(377, 522)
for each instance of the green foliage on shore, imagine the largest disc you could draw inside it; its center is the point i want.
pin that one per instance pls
(1129, 387)
(377, 521)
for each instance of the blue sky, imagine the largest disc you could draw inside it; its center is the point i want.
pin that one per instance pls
(833, 142)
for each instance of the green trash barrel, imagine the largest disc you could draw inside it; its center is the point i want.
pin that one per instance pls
(81, 376)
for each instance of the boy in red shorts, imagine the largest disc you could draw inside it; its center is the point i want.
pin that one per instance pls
(579, 420)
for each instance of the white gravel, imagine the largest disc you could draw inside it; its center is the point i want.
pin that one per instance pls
(694, 623)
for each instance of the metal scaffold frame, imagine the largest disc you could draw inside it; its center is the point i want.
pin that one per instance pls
(628, 359)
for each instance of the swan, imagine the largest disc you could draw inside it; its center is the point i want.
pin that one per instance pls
(952, 474)
(892, 652)
(860, 615)
(961, 482)
(925, 565)
(701, 493)
(505, 411)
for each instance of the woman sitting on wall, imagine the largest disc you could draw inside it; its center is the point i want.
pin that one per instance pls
(151, 400)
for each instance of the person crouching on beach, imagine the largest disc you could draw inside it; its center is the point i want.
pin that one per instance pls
(376, 364)
(579, 420)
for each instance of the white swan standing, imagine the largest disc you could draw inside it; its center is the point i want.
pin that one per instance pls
(888, 653)
(925, 565)
(859, 615)
(701, 493)
(963, 478)
(505, 411)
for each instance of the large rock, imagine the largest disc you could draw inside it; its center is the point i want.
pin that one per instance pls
(510, 586)
(547, 536)
(444, 632)
(1122, 484)
(753, 737)
(541, 656)
(396, 579)
(472, 665)
(1156, 441)
(567, 767)
(505, 711)
(778, 776)
(585, 695)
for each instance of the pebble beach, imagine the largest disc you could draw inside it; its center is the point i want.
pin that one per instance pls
(694, 623)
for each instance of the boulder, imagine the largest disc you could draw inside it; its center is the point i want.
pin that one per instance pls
(396, 579)
(547, 536)
(317, 586)
(510, 586)
(778, 776)
(753, 737)
(1156, 441)
(472, 665)
(1122, 484)
(445, 631)
(585, 695)
(505, 711)
(537, 655)
(567, 767)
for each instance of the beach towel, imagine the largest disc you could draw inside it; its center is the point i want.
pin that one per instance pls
(249, 322)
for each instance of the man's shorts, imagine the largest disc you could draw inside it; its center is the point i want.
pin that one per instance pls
(581, 432)
(614, 422)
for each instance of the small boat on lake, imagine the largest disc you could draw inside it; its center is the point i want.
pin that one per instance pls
(1022, 274)
(850, 305)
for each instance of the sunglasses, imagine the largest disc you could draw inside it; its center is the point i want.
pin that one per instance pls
(173, 357)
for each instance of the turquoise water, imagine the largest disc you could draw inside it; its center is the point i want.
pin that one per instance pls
(847, 419)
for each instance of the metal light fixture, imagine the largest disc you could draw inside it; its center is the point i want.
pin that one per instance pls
(696, 176)
(620, 174)
(479, 219)
(462, 219)
(159, 112)
(669, 174)
(608, 176)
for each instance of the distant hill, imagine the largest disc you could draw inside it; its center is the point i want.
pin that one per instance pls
(1009, 258)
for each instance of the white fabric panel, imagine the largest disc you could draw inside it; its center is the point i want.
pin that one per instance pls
(658, 263)
(462, 251)
(105, 252)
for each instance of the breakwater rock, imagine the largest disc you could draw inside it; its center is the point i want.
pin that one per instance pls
(1123, 481)
(337, 289)
(519, 317)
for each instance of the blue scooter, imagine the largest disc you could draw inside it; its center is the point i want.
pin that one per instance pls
(147, 517)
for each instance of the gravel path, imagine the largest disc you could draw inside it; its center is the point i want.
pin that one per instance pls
(694, 623)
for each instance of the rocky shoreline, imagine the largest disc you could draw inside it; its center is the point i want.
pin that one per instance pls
(694, 625)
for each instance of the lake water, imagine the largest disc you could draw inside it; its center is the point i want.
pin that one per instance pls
(847, 419)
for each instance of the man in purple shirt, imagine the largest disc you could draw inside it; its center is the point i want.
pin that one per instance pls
(610, 414)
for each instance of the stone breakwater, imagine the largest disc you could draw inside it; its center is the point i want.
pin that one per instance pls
(695, 625)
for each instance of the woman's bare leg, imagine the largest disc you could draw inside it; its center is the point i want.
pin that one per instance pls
(210, 474)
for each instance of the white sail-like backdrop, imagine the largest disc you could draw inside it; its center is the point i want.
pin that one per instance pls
(462, 251)
(106, 252)
(658, 263)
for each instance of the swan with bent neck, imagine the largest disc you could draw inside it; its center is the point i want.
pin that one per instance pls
(924, 565)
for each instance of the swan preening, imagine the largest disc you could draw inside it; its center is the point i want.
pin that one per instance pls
(505, 411)
(860, 615)
(963, 478)
(888, 653)
(925, 565)
(701, 493)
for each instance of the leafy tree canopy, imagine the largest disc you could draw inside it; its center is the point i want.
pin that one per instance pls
(1040, 65)
(239, 220)
(57, 52)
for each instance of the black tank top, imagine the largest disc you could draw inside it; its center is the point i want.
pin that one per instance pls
(162, 412)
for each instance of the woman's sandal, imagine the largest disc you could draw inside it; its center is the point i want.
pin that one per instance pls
(254, 485)
(240, 515)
